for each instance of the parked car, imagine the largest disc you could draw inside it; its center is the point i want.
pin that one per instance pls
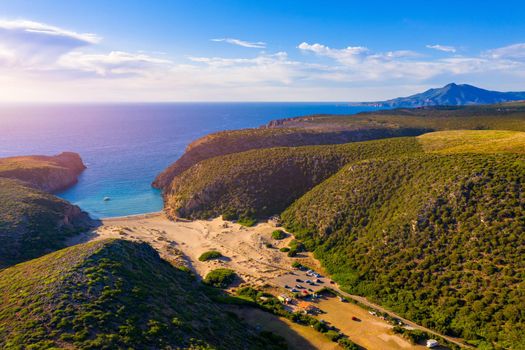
(298, 280)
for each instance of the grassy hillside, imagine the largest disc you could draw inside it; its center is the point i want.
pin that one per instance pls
(236, 141)
(474, 141)
(112, 294)
(264, 182)
(430, 226)
(506, 116)
(339, 129)
(437, 238)
(33, 222)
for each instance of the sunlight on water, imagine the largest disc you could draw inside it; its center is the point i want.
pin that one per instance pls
(125, 146)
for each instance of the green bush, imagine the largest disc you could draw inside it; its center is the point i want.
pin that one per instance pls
(284, 249)
(278, 234)
(209, 255)
(247, 221)
(320, 326)
(332, 335)
(220, 278)
(297, 265)
(347, 344)
(230, 216)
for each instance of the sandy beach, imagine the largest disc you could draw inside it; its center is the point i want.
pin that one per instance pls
(182, 242)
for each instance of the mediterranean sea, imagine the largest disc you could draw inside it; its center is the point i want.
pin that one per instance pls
(124, 146)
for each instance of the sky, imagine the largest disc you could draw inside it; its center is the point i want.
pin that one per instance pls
(242, 50)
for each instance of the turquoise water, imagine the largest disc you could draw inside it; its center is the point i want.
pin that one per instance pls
(124, 146)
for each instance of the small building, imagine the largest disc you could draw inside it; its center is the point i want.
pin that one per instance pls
(432, 343)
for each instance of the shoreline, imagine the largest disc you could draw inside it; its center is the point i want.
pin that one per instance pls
(133, 216)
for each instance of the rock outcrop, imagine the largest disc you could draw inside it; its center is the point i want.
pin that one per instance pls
(46, 173)
(34, 222)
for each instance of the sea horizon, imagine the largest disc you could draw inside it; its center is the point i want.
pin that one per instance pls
(125, 145)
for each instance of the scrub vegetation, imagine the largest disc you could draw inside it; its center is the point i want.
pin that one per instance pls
(113, 294)
(429, 226)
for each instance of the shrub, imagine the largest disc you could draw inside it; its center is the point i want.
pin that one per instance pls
(347, 344)
(284, 250)
(209, 255)
(320, 326)
(278, 234)
(247, 221)
(297, 265)
(230, 216)
(220, 278)
(332, 335)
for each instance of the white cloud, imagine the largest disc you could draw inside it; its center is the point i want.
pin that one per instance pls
(35, 30)
(40, 61)
(513, 52)
(443, 48)
(113, 63)
(350, 54)
(238, 42)
(31, 44)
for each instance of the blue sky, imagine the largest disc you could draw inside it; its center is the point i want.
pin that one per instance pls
(255, 50)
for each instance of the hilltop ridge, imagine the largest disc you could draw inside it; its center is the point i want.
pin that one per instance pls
(450, 95)
(113, 294)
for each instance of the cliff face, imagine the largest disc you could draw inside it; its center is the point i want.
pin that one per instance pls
(236, 141)
(34, 222)
(49, 174)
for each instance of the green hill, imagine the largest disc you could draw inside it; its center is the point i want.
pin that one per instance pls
(430, 226)
(33, 222)
(437, 238)
(340, 129)
(112, 294)
(264, 182)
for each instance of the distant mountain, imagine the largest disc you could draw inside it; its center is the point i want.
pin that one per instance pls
(450, 95)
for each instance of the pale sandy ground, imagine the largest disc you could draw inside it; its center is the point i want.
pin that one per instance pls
(244, 250)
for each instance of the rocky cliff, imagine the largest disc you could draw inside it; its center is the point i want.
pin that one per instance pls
(46, 173)
(34, 222)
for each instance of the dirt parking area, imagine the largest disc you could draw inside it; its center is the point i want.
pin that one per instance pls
(360, 326)
(297, 336)
(300, 281)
